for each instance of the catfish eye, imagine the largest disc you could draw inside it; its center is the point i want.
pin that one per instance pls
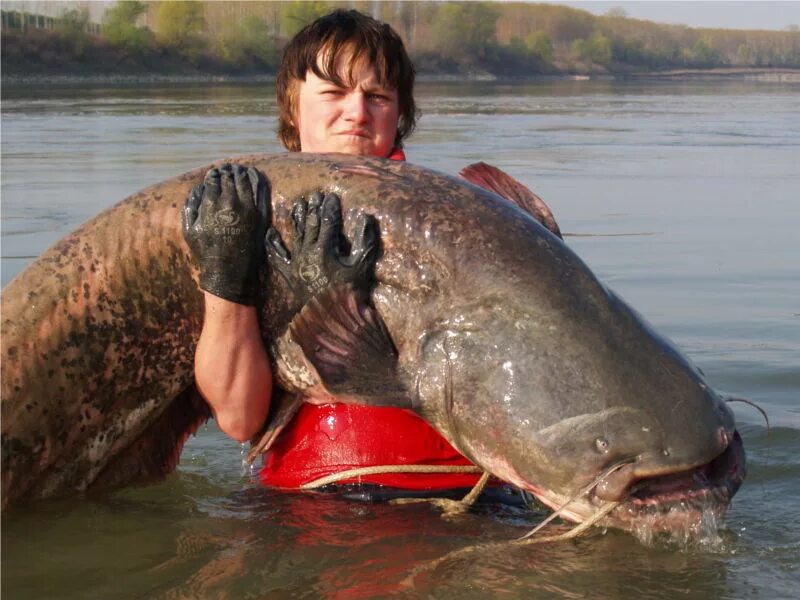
(602, 445)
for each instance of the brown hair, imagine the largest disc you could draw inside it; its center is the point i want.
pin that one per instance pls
(326, 38)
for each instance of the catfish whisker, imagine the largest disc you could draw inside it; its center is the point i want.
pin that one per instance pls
(766, 419)
(754, 405)
(575, 531)
(581, 492)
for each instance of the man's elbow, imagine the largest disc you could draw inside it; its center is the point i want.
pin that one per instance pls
(237, 427)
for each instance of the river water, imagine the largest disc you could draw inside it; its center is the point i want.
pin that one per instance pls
(683, 197)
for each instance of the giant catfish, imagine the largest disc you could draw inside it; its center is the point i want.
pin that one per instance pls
(481, 321)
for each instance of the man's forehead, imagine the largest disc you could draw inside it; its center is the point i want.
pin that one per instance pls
(348, 63)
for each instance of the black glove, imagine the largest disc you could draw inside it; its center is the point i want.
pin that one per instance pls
(317, 261)
(224, 221)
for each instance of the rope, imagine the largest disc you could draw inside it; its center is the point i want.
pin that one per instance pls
(472, 496)
(377, 470)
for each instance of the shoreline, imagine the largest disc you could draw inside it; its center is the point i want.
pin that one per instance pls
(769, 75)
(766, 75)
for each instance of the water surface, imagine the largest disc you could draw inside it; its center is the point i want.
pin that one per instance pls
(682, 197)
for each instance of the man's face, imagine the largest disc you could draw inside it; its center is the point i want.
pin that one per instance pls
(357, 119)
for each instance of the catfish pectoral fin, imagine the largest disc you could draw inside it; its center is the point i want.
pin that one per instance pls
(343, 336)
(284, 407)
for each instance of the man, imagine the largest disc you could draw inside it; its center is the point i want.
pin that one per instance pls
(345, 85)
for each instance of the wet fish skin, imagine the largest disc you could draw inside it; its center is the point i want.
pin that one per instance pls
(513, 349)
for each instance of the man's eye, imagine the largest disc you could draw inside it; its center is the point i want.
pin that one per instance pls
(333, 92)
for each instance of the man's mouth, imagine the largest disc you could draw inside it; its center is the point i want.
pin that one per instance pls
(355, 132)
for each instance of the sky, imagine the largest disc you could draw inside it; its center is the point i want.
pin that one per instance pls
(769, 14)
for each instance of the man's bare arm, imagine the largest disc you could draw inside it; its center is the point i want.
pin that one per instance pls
(232, 370)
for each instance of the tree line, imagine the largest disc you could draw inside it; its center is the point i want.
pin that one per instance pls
(443, 37)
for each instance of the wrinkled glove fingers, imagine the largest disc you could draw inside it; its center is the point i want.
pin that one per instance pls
(210, 195)
(191, 208)
(211, 186)
(299, 211)
(228, 193)
(313, 219)
(260, 190)
(330, 230)
(277, 254)
(245, 192)
(365, 248)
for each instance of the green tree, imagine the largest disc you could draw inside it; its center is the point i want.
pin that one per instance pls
(703, 54)
(518, 48)
(247, 44)
(72, 26)
(119, 25)
(744, 56)
(580, 49)
(179, 22)
(298, 14)
(630, 51)
(540, 46)
(73, 21)
(597, 49)
(468, 28)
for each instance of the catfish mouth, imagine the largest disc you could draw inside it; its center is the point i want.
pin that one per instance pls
(677, 503)
(709, 487)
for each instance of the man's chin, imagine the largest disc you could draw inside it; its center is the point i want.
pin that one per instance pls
(359, 146)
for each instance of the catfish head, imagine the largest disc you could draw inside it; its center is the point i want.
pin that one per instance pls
(522, 359)
(565, 391)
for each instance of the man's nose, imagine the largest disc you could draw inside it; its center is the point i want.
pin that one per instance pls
(356, 108)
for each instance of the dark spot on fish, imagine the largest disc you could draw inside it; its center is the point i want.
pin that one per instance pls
(12, 352)
(28, 407)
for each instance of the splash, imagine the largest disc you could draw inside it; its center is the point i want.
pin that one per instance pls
(689, 528)
(249, 469)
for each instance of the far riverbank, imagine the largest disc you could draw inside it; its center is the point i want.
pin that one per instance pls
(770, 75)
(775, 75)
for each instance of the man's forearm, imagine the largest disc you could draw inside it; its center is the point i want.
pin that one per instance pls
(232, 369)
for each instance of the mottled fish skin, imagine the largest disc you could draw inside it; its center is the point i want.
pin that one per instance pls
(98, 337)
(512, 348)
